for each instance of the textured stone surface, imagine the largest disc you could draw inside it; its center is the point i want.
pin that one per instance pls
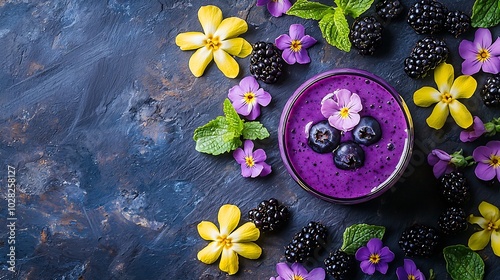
(98, 109)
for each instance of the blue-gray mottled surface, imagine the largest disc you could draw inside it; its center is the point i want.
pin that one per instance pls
(98, 109)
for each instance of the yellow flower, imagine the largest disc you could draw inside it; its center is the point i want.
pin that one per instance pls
(449, 90)
(490, 223)
(228, 242)
(218, 42)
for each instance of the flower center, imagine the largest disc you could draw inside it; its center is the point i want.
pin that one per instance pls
(446, 97)
(495, 161)
(374, 258)
(249, 161)
(212, 42)
(491, 226)
(483, 55)
(296, 46)
(344, 112)
(249, 97)
(297, 277)
(224, 240)
(411, 277)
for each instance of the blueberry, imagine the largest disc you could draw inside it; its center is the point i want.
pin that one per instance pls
(323, 138)
(367, 131)
(349, 155)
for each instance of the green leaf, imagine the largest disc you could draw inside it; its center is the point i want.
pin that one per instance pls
(354, 8)
(462, 263)
(254, 130)
(215, 137)
(358, 235)
(335, 30)
(235, 124)
(309, 10)
(485, 13)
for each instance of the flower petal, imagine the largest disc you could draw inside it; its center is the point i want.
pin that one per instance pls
(228, 217)
(210, 17)
(297, 31)
(246, 49)
(256, 170)
(374, 245)
(355, 104)
(259, 155)
(247, 250)
(443, 76)
(410, 266)
(367, 267)
(239, 156)
(307, 41)
(231, 27)
(489, 211)
(483, 37)
(463, 87)
(254, 112)
(249, 84)
(362, 254)
(298, 269)
(438, 116)
(317, 273)
(226, 64)
(247, 232)
(441, 168)
(279, 7)
(460, 114)
(484, 171)
(302, 56)
(343, 97)
(283, 42)
(289, 56)
(229, 261)
(495, 242)
(262, 2)
(210, 253)
(401, 273)
(266, 169)
(495, 48)
(494, 146)
(382, 267)
(190, 40)
(386, 255)
(426, 96)
(208, 230)
(468, 50)
(491, 65)
(479, 240)
(199, 61)
(470, 67)
(284, 271)
(248, 147)
(232, 46)
(482, 222)
(263, 97)
(482, 154)
(246, 171)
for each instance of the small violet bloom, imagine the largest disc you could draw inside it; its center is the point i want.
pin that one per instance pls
(341, 108)
(295, 45)
(409, 271)
(247, 96)
(488, 161)
(276, 7)
(297, 271)
(374, 257)
(480, 54)
(489, 221)
(440, 162)
(252, 162)
(473, 132)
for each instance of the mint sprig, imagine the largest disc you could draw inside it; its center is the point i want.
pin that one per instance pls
(358, 235)
(224, 133)
(462, 263)
(485, 13)
(332, 20)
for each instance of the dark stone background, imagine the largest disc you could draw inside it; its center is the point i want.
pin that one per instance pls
(98, 109)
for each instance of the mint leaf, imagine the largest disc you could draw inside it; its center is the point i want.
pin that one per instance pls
(485, 13)
(358, 235)
(462, 263)
(354, 8)
(215, 137)
(235, 124)
(254, 130)
(309, 10)
(335, 30)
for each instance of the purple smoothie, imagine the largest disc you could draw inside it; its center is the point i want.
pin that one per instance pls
(384, 161)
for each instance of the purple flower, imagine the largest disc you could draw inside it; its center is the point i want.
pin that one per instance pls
(247, 96)
(252, 162)
(488, 161)
(374, 257)
(480, 54)
(409, 271)
(295, 45)
(297, 272)
(341, 108)
(440, 162)
(276, 7)
(475, 131)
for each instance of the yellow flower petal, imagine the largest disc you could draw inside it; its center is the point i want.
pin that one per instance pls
(199, 61)
(495, 242)
(229, 261)
(489, 211)
(460, 114)
(229, 217)
(210, 253)
(426, 96)
(210, 17)
(190, 40)
(232, 46)
(208, 230)
(247, 250)
(245, 233)
(479, 240)
(482, 222)
(463, 87)
(226, 64)
(246, 49)
(443, 76)
(438, 116)
(231, 27)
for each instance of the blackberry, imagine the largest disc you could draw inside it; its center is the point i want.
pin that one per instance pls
(266, 63)
(490, 94)
(427, 54)
(457, 23)
(419, 240)
(389, 9)
(366, 35)
(340, 265)
(452, 221)
(454, 188)
(427, 16)
(304, 242)
(269, 215)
